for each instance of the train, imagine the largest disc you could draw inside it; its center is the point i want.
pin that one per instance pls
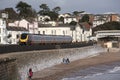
(29, 39)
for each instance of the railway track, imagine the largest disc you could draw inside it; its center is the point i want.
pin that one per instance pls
(18, 48)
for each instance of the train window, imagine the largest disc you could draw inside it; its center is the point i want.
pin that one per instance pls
(23, 36)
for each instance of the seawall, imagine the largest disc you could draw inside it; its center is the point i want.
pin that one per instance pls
(38, 60)
(8, 69)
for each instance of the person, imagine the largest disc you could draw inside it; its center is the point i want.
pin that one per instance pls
(67, 60)
(63, 60)
(30, 74)
(107, 49)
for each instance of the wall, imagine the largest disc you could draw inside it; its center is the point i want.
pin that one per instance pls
(38, 60)
(8, 70)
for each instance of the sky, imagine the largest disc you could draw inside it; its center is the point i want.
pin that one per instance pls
(69, 6)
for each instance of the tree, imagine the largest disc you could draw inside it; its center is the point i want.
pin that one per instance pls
(53, 15)
(46, 20)
(61, 19)
(25, 10)
(45, 9)
(56, 9)
(85, 18)
(76, 13)
(12, 14)
(73, 23)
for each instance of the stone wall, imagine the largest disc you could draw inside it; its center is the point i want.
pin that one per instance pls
(8, 69)
(38, 60)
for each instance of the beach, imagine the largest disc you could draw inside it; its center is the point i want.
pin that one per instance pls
(58, 72)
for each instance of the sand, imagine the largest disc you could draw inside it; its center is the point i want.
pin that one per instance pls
(58, 72)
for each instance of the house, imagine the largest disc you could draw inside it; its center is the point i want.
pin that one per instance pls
(56, 30)
(13, 34)
(68, 20)
(111, 16)
(43, 18)
(82, 32)
(98, 22)
(64, 15)
(32, 26)
(99, 19)
(3, 31)
(79, 33)
(114, 17)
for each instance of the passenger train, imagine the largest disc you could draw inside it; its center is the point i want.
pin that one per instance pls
(29, 39)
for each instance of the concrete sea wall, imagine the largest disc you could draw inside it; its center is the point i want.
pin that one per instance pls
(8, 69)
(38, 60)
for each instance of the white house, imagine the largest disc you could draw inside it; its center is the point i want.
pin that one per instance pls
(32, 26)
(13, 34)
(99, 19)
(79, 33)
(3, 31)
(82, 32)
(43, 18)
(98, 22)
(64, 15)
(54, 30)
(67, 20)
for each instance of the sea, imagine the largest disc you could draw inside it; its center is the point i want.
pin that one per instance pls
(109, 71)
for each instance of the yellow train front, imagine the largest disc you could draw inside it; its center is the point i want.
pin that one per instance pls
(23, 39)
(44, 39)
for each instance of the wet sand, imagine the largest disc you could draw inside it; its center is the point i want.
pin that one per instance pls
(60, 71)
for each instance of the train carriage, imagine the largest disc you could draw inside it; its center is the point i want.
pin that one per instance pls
(44, 39)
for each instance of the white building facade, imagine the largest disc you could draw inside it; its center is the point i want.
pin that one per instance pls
(3, 31)
(98, 22)
(78, 33)
(13, 34)
(106, 33)
(43, 18)
(68, 20)
(31, 26)
(54, 30)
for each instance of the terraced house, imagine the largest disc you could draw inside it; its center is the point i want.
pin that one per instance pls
(3, 31)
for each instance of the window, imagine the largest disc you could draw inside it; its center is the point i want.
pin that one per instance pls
(52, 32)
(3, 22)
(63, 32)
(23, 36)
(55, 32)
(43, 32)
(38, 32)
(17, 36)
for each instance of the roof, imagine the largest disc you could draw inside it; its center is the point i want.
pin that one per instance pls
(44, 25)
(50, 25)
(16, 28)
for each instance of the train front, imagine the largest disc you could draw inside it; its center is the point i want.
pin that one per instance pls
(23, 39)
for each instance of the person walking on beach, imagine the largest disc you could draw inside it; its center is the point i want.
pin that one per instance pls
(30, 74)
(67, 60)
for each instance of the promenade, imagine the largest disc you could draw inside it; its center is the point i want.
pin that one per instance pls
(60, 71)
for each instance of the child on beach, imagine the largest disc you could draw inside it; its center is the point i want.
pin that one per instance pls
(30, 74)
